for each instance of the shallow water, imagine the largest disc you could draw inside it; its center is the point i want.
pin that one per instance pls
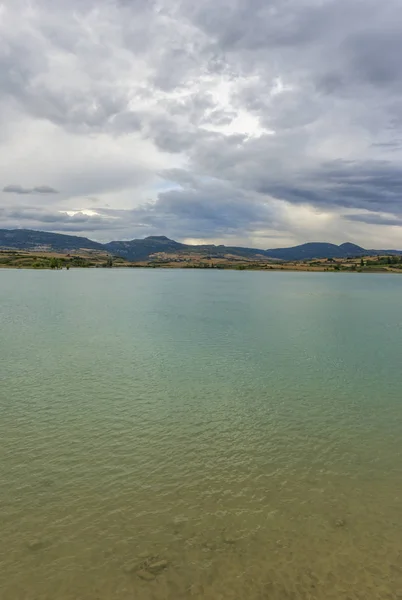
(244, 427)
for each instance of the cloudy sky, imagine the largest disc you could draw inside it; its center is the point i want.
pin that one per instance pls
(257, 122)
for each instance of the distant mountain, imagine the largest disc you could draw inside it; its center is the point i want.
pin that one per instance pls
(318, 250)
(352, 249)
(142, 249)
(28, 239)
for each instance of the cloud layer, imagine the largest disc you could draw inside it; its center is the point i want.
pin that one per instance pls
(259, 122)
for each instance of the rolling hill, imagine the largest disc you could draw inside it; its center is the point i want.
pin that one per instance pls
(318, 250)
(142, 249)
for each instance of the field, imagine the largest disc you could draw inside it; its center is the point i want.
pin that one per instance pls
(84, 258)
(23, 259)
(184, 260)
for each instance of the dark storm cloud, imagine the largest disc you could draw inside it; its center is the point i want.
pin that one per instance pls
(19, 189)
(372, 185)
(375, 219)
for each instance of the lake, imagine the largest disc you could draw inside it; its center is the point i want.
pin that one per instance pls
(176, 434)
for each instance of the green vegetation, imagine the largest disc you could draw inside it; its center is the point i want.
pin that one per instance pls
(56, 263)
(25, 259)
(29, 260)
(392, 261)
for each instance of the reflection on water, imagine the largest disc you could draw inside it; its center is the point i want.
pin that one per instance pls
(170, 435)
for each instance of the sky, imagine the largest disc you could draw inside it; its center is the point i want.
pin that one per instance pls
(263, 123)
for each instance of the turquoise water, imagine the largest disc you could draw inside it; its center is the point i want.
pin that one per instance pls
(242, 430)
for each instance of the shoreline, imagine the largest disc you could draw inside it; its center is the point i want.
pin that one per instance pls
(365, 271)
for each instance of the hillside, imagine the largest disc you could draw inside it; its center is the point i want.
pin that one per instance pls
(28, 239)
(142, 249)
(318, 250)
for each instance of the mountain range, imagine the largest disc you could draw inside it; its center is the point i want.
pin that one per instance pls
(142, 249)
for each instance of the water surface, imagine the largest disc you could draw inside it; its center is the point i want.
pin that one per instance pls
(245, 427)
